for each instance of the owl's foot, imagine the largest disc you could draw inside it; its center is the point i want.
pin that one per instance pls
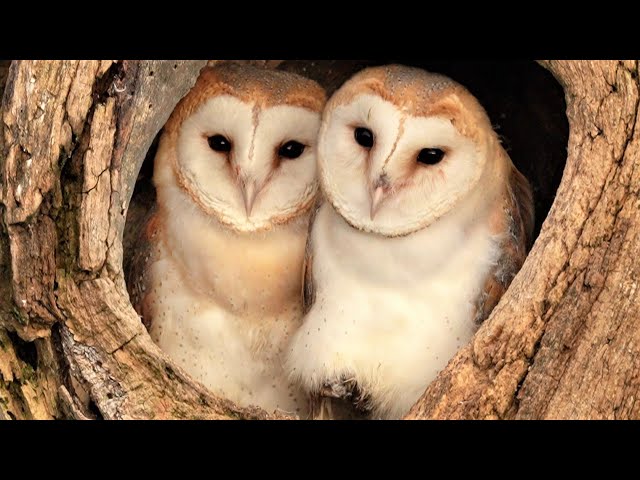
(341, 399)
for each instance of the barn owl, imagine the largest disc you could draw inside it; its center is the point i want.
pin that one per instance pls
(424, 223)
(217, 275)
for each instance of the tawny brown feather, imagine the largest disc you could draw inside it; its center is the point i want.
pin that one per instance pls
(405, 88)
(518, 217)
(137, 266)
(308, 288)
(263, 86)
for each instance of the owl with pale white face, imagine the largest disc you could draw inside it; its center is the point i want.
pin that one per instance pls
(425, 222)
(217, 275)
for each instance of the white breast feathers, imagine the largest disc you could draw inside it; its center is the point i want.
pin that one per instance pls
(390, 312)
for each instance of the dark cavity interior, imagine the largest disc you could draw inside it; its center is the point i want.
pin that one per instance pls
(524, 101)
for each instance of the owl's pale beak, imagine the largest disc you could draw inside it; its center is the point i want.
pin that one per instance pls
(376, 200)
(249, 192)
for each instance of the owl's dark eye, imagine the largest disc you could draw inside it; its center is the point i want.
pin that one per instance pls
(430, 156)
(364, 137)
(219, 143)
(291, 149)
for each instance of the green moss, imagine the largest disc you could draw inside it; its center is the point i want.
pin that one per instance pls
(28, 374)
(18, 316)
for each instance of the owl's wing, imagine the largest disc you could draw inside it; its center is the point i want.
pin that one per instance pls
(519, 217)
(308, 287)
(141, 251)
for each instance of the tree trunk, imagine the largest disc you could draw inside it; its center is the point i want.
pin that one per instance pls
(563, 342)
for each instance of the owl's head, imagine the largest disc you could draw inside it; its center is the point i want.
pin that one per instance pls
(400, 147)
(242, 145)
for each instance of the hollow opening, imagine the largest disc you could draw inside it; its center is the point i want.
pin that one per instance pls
(525, 103)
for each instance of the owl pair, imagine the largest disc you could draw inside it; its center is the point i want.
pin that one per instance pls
(419, 226)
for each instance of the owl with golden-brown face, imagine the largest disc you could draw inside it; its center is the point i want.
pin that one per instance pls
(425, 222)
(217, 276)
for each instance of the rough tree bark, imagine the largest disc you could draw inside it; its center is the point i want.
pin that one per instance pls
(564, 342)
